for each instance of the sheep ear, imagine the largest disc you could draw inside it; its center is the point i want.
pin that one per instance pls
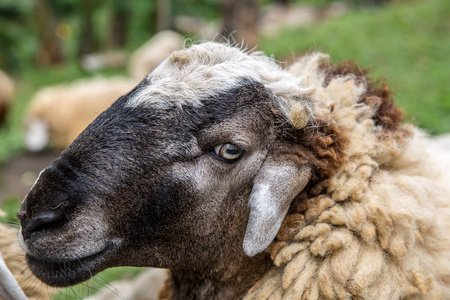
(275, 186)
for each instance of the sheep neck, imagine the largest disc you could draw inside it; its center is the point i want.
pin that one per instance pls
(230, 281)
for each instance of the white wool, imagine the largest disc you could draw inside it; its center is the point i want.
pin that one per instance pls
(191, 75)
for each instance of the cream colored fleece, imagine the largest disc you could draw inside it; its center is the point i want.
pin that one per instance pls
(381, 229)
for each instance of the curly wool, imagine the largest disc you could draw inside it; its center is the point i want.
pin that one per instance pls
(15, 260)
(378, 230)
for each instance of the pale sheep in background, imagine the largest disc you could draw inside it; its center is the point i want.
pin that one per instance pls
(95, 62)
(148, 56)
(248, 181)
(6, 95)
(58, 114)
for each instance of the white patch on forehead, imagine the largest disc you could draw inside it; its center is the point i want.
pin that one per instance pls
(205, 70)
(37, 179)
(39, 176)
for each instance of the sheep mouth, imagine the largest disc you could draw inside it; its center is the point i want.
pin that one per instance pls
(63, 273)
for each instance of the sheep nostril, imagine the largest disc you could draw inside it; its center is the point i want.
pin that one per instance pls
(42, 221)
(21, 215)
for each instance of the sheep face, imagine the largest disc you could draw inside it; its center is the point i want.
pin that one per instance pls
(180, 187)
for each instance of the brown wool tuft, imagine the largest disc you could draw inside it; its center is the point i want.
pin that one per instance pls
(378, 96)
(180, 57)
(298, 116)
(326, 153)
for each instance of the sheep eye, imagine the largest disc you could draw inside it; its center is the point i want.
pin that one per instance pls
(228, 152)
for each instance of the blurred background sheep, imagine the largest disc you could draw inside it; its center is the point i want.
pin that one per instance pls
(59, 113)
(6, 95)
(153, 52)
(73, 49)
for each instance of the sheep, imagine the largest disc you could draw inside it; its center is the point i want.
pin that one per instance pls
(248, 181)
(95, 62)
(58, 114)
(12, 268)
(6, 95)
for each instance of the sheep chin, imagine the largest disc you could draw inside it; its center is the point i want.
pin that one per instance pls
(72, 270)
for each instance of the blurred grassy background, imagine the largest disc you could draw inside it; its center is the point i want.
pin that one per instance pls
(406, 42)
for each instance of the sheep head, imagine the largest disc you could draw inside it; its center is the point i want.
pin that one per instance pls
(196, 167)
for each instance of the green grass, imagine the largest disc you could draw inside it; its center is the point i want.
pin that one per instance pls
(10, 205)
(100, 281)
(408, 44)
(11, 133)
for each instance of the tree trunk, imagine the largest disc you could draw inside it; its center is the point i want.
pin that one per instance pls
(87, 42)
(284, 3)
(240, 18)
(163, 15)
(118, 24)
(50, 49)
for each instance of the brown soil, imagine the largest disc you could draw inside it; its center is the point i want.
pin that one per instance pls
(18, 175)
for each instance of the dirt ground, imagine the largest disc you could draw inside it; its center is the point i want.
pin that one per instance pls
(18, 175)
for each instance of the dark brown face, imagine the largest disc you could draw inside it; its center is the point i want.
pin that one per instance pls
(155, 187)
